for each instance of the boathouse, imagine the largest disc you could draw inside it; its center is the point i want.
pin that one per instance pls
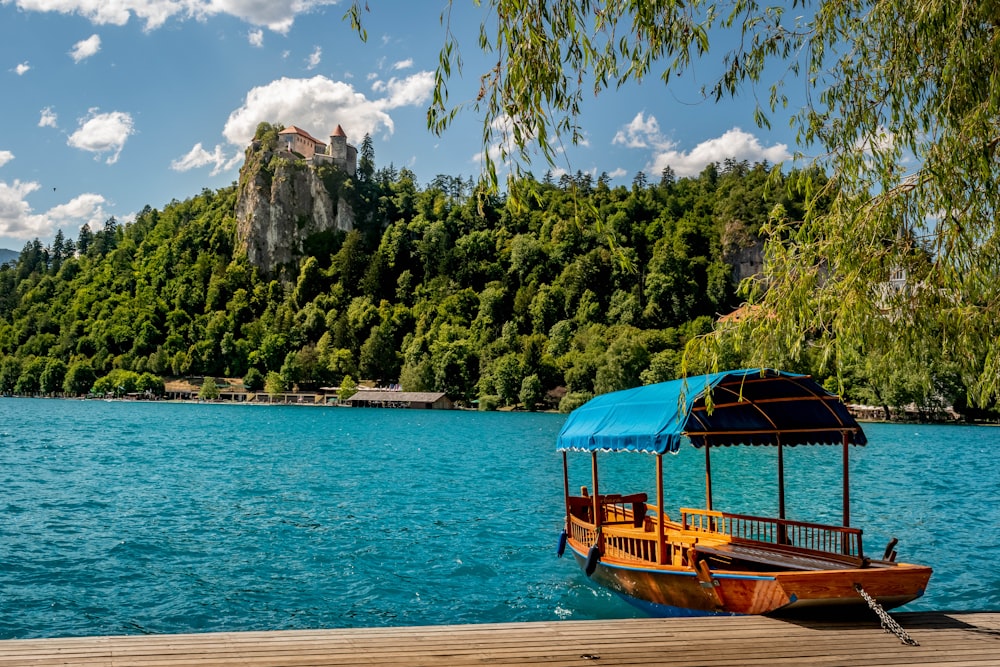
(419, 400)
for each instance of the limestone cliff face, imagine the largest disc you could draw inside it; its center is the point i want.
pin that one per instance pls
(282, 202)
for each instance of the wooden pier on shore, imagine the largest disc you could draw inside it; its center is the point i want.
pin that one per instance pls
(954, 639)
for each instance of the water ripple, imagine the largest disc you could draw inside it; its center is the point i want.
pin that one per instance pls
(156, 518)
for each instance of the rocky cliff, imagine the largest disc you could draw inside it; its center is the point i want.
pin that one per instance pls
(284, 201)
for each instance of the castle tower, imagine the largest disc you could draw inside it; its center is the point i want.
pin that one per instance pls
(337, 148)
(341, 153)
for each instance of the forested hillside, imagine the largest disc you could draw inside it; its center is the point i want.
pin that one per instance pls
(573, 284)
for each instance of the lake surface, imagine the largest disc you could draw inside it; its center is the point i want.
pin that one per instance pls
(165, 518)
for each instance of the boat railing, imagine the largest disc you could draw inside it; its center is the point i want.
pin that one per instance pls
(582, 531)
(625, 516)
(624, 542)
(838, 541)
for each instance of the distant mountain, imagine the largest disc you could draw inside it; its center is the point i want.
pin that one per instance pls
(8, 255)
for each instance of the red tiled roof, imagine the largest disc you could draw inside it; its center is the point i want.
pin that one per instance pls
(291, 129)
(339, 132)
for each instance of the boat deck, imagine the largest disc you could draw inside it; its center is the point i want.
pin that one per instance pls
(770, 558)
(967, 639)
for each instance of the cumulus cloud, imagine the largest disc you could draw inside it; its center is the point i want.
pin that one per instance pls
(22, 68)
(18, 220)
(277, 15)
(48, 118)
(199, 157)
(317, 105)
(735, 144)
(403, 64)
(413, 90)
(5, 157)
(312, 62)
(256, 38)
(641, 132)
(102, 133)
(644, 133)
(85, 48)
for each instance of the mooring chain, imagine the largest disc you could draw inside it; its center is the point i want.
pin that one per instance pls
(889, 624)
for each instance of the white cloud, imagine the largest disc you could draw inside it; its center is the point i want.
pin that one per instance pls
(312, 62)
(87, 208)
(735, 144)
(17, 219)
(15, 213)
(199, 157)
(413, 90)
(641, 132)
(617, 173)
(277, 15)
(403, 64)
(644, 133)
(22, 68)
(317, 105)
(5, 157)
(48, 118)
(86, 48)
(102, 133)
(256, 37)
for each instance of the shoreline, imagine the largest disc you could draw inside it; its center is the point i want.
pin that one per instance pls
(336, 404)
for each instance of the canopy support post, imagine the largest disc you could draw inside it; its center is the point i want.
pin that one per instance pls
(708, 476)
(781, 478)
(661, 546)
(782, 532)
(847, 485)
(597, 492)
(569, 522)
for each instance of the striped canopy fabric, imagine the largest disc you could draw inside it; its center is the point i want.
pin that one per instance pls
(749, 406)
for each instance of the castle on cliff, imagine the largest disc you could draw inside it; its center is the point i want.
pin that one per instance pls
(338, 152)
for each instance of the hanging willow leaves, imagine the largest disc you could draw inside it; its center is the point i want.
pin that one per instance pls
(897, 255)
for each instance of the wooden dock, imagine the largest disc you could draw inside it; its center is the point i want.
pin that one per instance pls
(954, 639)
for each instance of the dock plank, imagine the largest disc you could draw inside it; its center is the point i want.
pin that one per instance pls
(950, 639)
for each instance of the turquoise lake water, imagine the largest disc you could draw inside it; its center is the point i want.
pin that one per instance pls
(125, 518)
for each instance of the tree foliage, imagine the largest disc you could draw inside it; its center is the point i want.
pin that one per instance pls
(488, 299)
(895, 254)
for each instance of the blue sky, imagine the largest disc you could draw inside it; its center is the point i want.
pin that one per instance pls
(112, 105)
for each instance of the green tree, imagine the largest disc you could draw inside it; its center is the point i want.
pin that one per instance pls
(153, 384)
(901, 104)
(507, 377)
(253, 380)
(52, 378)
(30, 380)
(209, 391)
(10, 371)
(79, 379)
(274, 384)
(532, 392)
(348, 387)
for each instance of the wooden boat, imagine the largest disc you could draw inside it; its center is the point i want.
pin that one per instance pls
(704, 561)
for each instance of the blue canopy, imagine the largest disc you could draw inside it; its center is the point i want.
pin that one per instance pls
(749, 406)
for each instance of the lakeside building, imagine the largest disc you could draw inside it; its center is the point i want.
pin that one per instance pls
(419, 400)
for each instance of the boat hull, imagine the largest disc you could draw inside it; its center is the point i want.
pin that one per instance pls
(682, 591)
